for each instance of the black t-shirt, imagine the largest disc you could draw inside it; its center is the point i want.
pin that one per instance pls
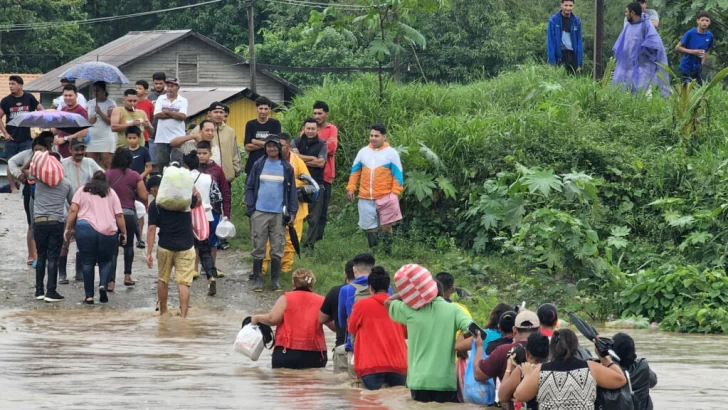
(175, 227)
(506, 340)
(566, 24)
(313, 148)
(331, 308)
(257, 131)
(140, 157)
(12, 106)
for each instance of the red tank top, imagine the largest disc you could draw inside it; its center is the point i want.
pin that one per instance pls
(301, 329)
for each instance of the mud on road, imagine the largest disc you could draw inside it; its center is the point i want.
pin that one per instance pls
(17, 279)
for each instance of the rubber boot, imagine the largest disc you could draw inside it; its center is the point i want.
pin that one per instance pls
(275, 273)
(62, 276)
(387, 242)
(373, 239)
(79, 268)
(258, 275)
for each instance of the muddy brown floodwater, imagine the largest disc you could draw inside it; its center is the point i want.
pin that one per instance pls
(124, 356)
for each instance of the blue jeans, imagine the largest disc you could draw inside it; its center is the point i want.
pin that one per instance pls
(12, 147)
(152, 151)
(378, 380)
(95, 248)
(48, 241)
(688, 77)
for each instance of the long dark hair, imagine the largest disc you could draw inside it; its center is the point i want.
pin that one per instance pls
(122, 159)
(98, 185)
(495, 315)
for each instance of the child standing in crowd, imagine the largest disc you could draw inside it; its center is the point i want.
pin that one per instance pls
(208, 166)
(142, 164)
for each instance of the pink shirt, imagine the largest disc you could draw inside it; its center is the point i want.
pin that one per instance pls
(99, 212)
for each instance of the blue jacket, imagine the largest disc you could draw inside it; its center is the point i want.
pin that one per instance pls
(553, 39)
(290, 195)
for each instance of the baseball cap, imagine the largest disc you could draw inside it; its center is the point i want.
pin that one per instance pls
(527, 320)
(217, 105)
(76, 143)
(172, 80)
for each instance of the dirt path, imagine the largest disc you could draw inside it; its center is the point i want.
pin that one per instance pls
(17, 280)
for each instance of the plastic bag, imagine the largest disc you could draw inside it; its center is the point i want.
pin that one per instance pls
(249, 342)
(200, 224)
(225, 229)
(476, 392)
(141, 210)
(175, 190)
(46, 168)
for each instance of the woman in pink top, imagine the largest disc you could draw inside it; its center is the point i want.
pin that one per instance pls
(128, 186)
(97, 218)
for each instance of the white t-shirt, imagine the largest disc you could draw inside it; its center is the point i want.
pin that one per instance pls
(169, 129)
(59, 103)
(100, 127)
(203, 183)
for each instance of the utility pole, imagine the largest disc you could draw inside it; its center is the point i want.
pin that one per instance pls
(251, 43)
(598, 39)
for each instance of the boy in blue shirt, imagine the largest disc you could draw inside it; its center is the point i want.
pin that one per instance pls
(695, 44)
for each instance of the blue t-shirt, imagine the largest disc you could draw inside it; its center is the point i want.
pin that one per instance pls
(140, 157)
(694, 41)
(270, 190)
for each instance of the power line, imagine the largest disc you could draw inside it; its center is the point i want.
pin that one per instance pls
(54, 24)
(312, 4)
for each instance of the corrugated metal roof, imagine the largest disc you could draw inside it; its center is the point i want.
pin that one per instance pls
(134, 45)
(200, 98)
(119, 52)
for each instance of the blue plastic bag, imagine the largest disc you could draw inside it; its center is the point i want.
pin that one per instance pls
(476, 392)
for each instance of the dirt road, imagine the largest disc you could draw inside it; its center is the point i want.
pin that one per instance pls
(17, 279)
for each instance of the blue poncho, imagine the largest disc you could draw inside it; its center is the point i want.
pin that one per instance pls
(639, 50)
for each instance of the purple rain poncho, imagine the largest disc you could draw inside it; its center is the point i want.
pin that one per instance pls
(638, 51)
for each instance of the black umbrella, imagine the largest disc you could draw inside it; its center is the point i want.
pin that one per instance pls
(603, 344)
(294, 239)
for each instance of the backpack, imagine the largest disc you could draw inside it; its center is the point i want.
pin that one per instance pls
(360, 292)
(616, 399)
(215, 193)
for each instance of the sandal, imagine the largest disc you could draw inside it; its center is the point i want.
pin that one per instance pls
(88, 301)
(129, 283)
(110, 289)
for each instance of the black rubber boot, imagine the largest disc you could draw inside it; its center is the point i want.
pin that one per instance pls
(258, 275)
(62, 276)
(373, 239)
(387, 242)
(79, 268)
(275, 273)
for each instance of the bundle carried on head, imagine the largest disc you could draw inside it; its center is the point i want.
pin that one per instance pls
(46, 168)
(416, 285)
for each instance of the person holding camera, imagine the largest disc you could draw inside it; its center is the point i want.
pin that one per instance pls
(272, 203)
(567, 382)
(535, 352)
(495, 365)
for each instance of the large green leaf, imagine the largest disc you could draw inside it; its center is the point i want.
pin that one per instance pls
(430, 155)
(411, 34)
(543, 182)
(420, 185)
(446, 186)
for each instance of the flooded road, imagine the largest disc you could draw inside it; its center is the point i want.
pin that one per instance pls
(136, 360)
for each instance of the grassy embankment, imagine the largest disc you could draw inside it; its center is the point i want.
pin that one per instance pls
(539, 186)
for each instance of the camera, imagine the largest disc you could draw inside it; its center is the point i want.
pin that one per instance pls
(518, 353)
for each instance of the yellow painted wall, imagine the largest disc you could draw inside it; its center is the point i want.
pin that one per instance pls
(242, 110)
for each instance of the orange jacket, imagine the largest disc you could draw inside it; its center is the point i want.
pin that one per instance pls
(377, 171)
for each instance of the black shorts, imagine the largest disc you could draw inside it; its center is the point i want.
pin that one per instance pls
(298, 359)
(427, 396)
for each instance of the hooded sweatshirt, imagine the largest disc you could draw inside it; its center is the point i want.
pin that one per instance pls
(380, 342)
(218, 175)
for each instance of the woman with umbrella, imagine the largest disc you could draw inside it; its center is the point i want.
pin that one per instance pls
(102, 141)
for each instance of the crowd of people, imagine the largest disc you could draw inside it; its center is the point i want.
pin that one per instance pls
(384, 340)
(639, 50)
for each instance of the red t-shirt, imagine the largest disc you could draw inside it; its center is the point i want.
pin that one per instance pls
(64, 150)
(379, 342)
(330, 134)
(148, 107)
(495, 364)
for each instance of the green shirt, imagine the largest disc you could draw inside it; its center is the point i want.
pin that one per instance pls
(431, 333)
